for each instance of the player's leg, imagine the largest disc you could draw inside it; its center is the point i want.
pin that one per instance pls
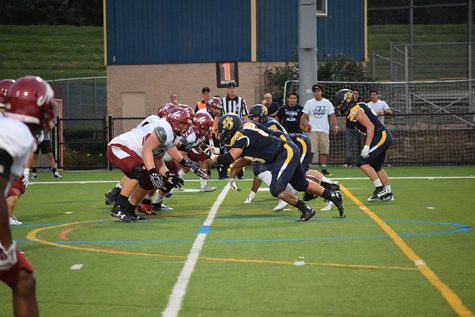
(24, 297)
(32, 163)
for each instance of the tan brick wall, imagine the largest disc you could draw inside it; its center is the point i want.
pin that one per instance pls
(157, 82)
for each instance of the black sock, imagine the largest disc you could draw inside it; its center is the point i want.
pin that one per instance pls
(33, 170)
(146, 201)
(122, 201)
(325, 185)
(130, 209)
(53, 170)
(300, 204)
(327, 194)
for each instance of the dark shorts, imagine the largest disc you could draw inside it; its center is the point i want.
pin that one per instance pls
(286, 169)
(45, 147)
(381, 142)
(172, 167)
(10, 276)
(128, 161)
(17, 186)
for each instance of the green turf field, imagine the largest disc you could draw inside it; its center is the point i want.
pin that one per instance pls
(414, 256)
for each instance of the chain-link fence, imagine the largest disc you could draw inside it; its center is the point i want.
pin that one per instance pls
(423, 61)
(82, 97)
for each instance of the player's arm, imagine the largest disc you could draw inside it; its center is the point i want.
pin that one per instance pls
(175, 154)
(228, 158)
(303, 121)
(150, 144)
(334, 123)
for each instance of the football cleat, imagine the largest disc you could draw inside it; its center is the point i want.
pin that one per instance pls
(328, 207)
(112, 195)
(308, 196)
(13, 221)
(306, 213)
(280, 206)
(136, 217)
(326, 172)
(337, 199)
(387, 197)
(57, 175)
(161, 207)
(249, 199)
(117, 213)
(34, 175)
(208, 188)
(146, 209)
(377, 194)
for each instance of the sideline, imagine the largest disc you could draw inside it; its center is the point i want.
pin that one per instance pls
(450, 296)
(179, 290)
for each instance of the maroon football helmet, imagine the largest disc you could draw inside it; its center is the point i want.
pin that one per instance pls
(165, 109)
(187, 109)
(30, 99)
(214, 106)
(203, 124)
(180, 121)
(4, 85)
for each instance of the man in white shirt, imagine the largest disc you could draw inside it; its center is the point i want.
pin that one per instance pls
(314, 121)
(380, 107)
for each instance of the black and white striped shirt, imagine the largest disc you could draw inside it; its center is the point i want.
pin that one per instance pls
(235, 105)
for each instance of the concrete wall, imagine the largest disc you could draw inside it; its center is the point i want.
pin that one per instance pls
(157, 82)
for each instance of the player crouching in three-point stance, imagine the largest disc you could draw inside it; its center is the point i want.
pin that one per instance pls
(378, 140)
(281, 157)
(28, 109)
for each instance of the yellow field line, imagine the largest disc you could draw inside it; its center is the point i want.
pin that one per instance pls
(450, 296)
(33, 236)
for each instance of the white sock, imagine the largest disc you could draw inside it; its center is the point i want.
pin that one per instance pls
(252, 195)
(291, 189)
(181, 173)
(377, 183)
(158, 198)
(203, 182)
(326, 180)
(266, 177)
(118, 185)
(149, 197)
(388, 188)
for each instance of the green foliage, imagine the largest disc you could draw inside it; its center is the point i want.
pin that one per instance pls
(341, 68)
(277, 76)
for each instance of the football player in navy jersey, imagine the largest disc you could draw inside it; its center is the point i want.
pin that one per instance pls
(283, 160)
(378, 140)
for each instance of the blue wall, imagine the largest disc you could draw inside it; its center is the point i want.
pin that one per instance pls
(196, 31)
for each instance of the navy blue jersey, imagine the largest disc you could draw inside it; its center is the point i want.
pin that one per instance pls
(351, 118)
(257, 144)
(272, 124)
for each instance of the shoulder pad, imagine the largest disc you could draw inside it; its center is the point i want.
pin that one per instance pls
(161, 134)
(353, 112)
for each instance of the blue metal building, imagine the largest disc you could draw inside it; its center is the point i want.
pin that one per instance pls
(206, 31)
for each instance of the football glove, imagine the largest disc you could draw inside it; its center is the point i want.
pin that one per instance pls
(194, 167)
(7, 256)
(176, 181)
(155, 178)
(26, 177)
(365, 151)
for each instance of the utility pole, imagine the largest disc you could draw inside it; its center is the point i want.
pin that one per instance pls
(307, 49)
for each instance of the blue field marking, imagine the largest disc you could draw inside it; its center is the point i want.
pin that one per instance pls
(204, 229)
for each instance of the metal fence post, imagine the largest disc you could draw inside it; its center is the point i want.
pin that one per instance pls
(374, 65)
(110, 134)
(406, 78)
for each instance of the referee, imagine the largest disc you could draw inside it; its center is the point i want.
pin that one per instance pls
(232, 103)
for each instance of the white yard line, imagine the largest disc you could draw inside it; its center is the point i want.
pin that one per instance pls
(179, 290)
(250, 179)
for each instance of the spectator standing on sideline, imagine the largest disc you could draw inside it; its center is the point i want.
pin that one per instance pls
(289, 115)
(206, 95)
(380, 107)
(272, 106)
(317, 111)
(46, 149)
(174, 99)
(232, 103)
(351, 135)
